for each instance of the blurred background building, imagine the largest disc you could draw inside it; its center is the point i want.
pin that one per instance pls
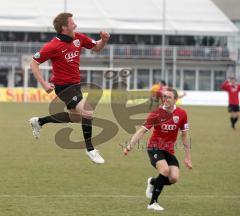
(201, 39)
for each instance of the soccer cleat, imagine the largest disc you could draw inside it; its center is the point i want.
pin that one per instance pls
(35, 127)
(149, 189)
(95, 156)
(155, 206)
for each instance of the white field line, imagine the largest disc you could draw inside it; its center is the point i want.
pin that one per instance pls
(210, 196)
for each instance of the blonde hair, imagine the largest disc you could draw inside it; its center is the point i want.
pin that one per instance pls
(61, 20)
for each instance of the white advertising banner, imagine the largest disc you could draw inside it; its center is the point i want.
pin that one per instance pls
(211, 98)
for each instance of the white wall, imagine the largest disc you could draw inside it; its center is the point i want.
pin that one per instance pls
(205, 98)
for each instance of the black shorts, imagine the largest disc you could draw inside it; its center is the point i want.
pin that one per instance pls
(71, 95)
(156, 155)
(233, 108)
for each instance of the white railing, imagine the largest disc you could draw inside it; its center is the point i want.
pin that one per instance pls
(128, 51)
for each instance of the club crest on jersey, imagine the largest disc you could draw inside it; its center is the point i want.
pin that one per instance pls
(175, 119)
(76, 43)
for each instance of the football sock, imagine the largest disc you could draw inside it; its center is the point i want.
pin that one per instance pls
(166, 181)
(62, 117)
(235, 121)
(158, 186)
(87, 133)
(232, 121)
(152, 182)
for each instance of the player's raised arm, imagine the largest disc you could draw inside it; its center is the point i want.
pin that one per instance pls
(135, 139)
(224, 85)
(102, 42)
(182, 95)
(48, 87)
(186, 143)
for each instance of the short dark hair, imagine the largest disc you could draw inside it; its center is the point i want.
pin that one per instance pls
(61, 20)
(163, 82)
(174, 91)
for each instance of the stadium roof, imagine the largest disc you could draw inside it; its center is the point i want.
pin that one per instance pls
(183, 17)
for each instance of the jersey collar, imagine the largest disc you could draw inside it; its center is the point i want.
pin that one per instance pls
(164, 107)
(64, 38)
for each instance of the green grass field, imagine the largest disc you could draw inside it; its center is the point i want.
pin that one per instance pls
(40, 178)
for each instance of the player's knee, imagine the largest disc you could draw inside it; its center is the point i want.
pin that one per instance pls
(75, 117)
(87, 114)
(173, 179)
(165, 171)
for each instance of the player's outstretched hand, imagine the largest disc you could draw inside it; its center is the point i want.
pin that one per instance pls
(48, 87)
(104, 36)
(188, 163)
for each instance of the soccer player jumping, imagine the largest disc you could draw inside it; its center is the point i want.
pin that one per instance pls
(233, 89)
(160, 146)
(64, 52)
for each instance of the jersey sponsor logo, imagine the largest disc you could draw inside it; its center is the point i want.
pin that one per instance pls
(37, 55)
(175, 119)
(69, 56)
(168, 127)
(76, 43)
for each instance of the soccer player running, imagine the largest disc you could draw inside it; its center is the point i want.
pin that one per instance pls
(64, 52)
(160, 146)
(233, 89)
